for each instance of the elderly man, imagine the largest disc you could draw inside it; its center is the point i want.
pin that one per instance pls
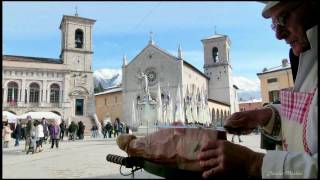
(294, 121)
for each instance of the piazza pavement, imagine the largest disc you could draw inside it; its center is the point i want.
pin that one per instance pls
(81, 159)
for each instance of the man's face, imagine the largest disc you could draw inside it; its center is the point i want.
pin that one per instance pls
(292, 30)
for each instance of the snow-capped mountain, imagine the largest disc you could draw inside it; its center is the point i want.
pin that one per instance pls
(248, 89)
(107, 77)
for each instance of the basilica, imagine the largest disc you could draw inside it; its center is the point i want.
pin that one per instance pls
(63, 85)
(175, 89)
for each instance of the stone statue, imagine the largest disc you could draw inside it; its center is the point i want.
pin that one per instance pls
(145, 78)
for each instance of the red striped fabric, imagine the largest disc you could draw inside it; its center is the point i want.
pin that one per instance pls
(295, 105)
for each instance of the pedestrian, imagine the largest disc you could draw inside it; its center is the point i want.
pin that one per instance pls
(73, 128)
(17, 132)
(94, 131)
(81, 130)
(54, 132)
(127, 129)
(23, 131)
(109, 129)
(104, 131)
(238, 137)
(32, 142)
(62, 129)
(29, 128)
(294, 121)
(39, 135)
(6, 134)
(120, 128)
(44, 123)
(115, 129)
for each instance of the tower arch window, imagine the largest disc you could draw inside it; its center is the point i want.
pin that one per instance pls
(213, 115)
(34, 93)
(215, 55)
(12, 96)
(54, 93)
(79, 38)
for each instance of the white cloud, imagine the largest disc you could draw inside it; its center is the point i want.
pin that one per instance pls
(245, 84)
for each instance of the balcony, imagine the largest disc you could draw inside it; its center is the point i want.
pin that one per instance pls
(12, 103)
(55, 105)
(34, 104)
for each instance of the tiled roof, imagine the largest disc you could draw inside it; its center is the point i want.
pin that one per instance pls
(31, 59)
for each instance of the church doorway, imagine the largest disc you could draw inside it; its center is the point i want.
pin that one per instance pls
(79, 107)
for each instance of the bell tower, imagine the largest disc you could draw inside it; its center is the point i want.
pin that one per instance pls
(217, 66)
(76, 42)
(77, 55)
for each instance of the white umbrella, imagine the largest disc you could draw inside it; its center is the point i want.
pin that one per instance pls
(12, 118)
(40, 115)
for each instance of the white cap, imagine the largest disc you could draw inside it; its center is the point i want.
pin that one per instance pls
(266, 9)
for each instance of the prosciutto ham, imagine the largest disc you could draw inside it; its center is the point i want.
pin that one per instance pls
(175, 147)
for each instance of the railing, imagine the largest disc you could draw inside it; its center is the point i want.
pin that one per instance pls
(34, 104)
(55, 105)
(12, 103)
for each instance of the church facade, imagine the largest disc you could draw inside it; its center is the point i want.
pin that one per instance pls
(63, 85)
(172, 82)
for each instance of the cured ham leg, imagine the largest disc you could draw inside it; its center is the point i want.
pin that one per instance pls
(176, 147)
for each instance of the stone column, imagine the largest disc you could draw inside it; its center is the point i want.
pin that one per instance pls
(23, 90)
(44, 88)
(5, 93)
(66, 87)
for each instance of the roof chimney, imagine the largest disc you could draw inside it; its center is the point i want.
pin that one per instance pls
(284, 62)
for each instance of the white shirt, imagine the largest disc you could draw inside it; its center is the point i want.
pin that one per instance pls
(39, 131)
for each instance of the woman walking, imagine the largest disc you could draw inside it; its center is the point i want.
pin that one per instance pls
(54, 134)
(6, 134)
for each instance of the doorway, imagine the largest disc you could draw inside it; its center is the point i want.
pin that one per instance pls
(79, 107)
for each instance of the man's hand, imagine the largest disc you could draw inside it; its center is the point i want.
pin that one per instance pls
(244, 122)
(222, 157)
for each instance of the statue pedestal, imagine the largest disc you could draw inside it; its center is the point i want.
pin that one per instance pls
(145, 130)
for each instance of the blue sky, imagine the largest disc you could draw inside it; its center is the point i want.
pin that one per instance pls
(32, 29)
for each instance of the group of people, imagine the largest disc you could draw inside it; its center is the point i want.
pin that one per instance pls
(75, 131)
(114, 128)
(34, 132)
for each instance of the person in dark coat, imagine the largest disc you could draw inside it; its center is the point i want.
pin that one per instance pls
(62, 129)
(45, 129)
(73, 128)
(81, 130)
(17, 133)
(109, 129)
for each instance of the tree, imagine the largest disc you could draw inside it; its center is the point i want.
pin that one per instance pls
(99, 88)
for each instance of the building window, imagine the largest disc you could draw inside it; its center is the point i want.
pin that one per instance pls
(105, 101)
(34, 93)
(274, 96)
(272, 80)
(54, 93)
(12, 92)
(79, 38)
(115, 100)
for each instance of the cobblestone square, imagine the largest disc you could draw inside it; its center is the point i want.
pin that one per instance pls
(79, 159)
